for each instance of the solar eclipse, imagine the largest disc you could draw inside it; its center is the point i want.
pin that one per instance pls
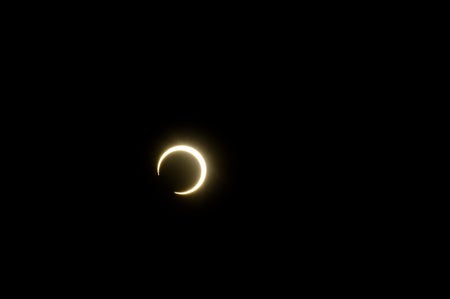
(196, 155)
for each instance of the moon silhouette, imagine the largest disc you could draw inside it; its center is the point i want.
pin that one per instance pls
(197, 155)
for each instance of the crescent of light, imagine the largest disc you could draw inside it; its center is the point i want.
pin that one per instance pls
(193, 152)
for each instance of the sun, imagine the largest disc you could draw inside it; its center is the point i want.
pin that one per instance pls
(197, 155)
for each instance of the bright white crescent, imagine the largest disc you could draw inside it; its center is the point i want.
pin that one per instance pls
(193, 152)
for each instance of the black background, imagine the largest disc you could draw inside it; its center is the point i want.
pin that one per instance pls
(283, 114)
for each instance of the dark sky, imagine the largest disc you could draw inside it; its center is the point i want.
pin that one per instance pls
(282, 120)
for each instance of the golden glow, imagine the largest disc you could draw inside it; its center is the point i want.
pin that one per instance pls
(197, 155)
